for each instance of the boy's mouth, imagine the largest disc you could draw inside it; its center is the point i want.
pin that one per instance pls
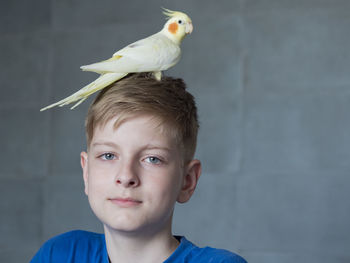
(125, 202)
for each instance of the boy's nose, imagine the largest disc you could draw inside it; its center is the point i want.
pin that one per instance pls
(127, 175)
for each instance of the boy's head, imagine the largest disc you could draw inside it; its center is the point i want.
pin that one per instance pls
(167, 100)
(141, 138)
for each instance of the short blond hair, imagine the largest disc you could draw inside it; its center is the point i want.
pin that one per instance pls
(168, 100)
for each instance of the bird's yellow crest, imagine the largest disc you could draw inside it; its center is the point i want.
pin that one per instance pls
(170, 13)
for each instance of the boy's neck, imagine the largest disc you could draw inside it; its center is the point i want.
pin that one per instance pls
(128, 248)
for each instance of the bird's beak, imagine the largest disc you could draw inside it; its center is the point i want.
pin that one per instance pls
(189, 28)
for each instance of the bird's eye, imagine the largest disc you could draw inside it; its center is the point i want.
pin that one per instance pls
(180, 22)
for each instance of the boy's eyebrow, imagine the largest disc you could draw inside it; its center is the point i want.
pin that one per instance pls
(156, 147)
(147, 147)
(112, 144)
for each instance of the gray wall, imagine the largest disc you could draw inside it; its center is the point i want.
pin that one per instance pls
(272, 84)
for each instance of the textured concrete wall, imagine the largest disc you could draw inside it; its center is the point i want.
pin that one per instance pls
(272, 84)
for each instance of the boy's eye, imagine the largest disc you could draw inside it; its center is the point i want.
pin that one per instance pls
(153, 160)
(108, 156)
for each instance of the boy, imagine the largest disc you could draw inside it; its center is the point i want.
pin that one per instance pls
(141, 138)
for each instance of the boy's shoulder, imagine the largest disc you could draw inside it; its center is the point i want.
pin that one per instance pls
(78, 238)
(73, 246)
(76, 234)
(188, 252)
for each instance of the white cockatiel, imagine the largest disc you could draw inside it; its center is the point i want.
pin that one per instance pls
(155, 53)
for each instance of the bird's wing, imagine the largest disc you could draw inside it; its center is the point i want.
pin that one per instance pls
(154, 53)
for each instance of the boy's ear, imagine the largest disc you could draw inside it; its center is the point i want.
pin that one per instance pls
(84, 166)
(192, 174)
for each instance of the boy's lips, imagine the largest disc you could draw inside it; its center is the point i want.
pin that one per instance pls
(125, 202)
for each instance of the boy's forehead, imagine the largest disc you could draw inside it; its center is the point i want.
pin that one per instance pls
(155, 123)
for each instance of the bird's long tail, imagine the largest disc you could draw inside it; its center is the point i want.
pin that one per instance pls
(82, 94)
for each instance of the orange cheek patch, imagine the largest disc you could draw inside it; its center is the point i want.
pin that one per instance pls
(173, 28)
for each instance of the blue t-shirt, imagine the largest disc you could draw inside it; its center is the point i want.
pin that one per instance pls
(87, 247)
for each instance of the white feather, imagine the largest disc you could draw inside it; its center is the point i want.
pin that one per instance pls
(155, 53)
